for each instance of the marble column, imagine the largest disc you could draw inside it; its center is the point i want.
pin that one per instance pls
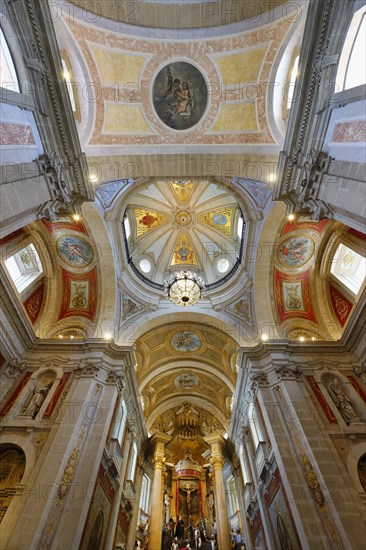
(216, 443)
(156, 517)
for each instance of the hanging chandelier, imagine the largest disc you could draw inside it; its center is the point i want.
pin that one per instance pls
(184, 288)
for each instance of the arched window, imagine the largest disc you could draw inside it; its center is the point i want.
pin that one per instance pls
(244, 465)
(349, 268)
(255, 426)
(127, 227)
(352, 63)
(239, 228)
(232, 496)
(24, 267)
(133, 460)
(292, 82)
(8, 75)
(145, 494)
(121, 423)
(71, 85)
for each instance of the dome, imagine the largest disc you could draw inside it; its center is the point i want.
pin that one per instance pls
(183, 224)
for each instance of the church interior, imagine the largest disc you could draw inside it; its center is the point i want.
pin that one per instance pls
(182, 283)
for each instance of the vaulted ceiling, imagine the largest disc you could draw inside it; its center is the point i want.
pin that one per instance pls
(233, 73)
(180, 119)
(175, 14)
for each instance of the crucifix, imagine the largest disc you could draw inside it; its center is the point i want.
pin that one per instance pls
(189, 489)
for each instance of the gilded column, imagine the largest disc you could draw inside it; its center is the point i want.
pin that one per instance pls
(156, 516)
(217, 460)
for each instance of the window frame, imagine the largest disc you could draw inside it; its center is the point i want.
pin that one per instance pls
(25, 279)
(340, 279)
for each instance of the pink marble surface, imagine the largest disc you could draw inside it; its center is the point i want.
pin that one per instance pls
(349, 132)
(16, 134)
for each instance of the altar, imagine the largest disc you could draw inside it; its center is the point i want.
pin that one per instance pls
(189, 486)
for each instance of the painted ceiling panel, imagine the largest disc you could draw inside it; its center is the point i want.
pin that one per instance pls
(147, 220)
(118, 68)
(124, 119)
(241, 67)
(236, 117)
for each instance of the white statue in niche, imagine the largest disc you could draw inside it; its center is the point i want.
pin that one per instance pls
(37, 399)
(342, 402)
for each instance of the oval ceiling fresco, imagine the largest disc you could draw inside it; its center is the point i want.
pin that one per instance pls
(180, 95)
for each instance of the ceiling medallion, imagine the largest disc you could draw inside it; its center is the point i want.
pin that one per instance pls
(184, 288)
(180, 95)
(183, 218)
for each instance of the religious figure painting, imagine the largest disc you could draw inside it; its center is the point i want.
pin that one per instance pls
(186, 340)
(183, 189)
(296, 251)
(98, 519)
(74, 250)
(129, 307)
(183, 252)
(282, 523)
(180, 95)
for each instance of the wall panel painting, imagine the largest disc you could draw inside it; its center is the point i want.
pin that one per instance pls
(79, 296)
(292, 296)
(97, 522)
(282, 523)
(342, 306)
(33, 304)
(296, 251)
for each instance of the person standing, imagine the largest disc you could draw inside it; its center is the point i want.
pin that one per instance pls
(179, 529)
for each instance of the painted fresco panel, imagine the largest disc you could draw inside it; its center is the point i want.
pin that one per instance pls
(342, 306)
(33, 304)
(282, 524)
(180, 95)
(296, 251)
(98, 519)
(292, 296)
(79, 294)
(74, 250)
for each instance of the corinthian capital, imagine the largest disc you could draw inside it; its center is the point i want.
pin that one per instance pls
(217, 462)
(159, 461)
